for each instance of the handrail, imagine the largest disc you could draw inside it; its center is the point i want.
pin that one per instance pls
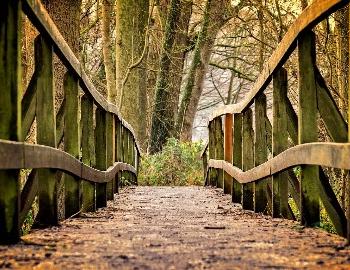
(313, 14)
(335, 155)
(33, 156)
(43, 21)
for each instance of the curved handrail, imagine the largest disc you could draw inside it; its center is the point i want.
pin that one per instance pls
(335, 155)
(312, 15)
(44, 22)
(33, 156)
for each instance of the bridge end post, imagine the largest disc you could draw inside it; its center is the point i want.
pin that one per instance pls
(10, 114)
(228, 151)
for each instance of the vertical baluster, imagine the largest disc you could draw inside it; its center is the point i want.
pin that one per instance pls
(248, 159)
(280, 142)
(261, 187)
(71, 142)
(219, 147)
(205, 166)
(123, 153)
(101, 155)
(211, 146)
(237, 155)
(10, 114)
(118, 148)
(228, 150)
(46, 129)
(88, 151)
(110, 145)
(308, 129)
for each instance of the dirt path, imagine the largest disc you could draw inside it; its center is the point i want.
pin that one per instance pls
(176, 228)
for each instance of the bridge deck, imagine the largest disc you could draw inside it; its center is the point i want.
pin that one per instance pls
(177, 228)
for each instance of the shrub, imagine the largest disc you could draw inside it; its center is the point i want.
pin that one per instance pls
(179, 164)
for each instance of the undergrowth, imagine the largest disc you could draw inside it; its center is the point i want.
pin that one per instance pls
(178, 164)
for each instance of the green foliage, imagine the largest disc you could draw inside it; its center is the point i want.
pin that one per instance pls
(178, 164)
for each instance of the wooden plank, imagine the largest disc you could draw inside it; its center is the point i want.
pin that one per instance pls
(110, 156)
(28, 194)
(260, 153)
(312, 15)
(71, 143)
(29, 105)
(212, 142)
(46, 130)
(237, 155)
(308, 128)
(248, 159)
(60, 123)
(228, 151)
(10, 114)
(333, 155)
(118, 151)
(335, 124)
(280, 142)
(219, 148)
(88, 152)
(101, 155)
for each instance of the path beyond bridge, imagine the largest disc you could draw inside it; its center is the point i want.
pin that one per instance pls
(176, 228)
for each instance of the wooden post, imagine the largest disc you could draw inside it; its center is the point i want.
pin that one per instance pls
(205, 166)
(118, 148)
(88, 151)
(219, 147)
(71, 142)
(237, 155)
(211, 174)
(248, 158)
(101, 155)
(10, 114)
(308, 129)
(280, 142)
(110, 144)
(46, 130)
(261, 200)
(228, 150)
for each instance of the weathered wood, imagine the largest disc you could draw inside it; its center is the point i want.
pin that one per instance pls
(335, 124)
(101, 155)
(292, 124)
(10, 114)
(212, 173)
(333, 155)
(294, 188)
(331, 204)
(110, 156)
(237, 155)
(219, 148)
(72, 185)
(46, 130)
(228, 151)
(118, 152)
(29, 191)
(60, 123)
(313, 14)
(308, 129)
(29, 105)
(280, 142)
(88, 152)
(260, 201)
(248, 158)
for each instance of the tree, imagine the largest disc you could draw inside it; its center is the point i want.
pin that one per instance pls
(131, 27)
(162, 119)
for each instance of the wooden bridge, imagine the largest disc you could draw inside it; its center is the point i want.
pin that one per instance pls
(252, 163)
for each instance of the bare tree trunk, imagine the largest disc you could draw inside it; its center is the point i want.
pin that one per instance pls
(162, 120)
(107, 9)
(131, 25)
(214, 18)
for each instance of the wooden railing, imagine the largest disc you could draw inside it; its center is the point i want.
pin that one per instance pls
(100, 148)
(236, 157)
